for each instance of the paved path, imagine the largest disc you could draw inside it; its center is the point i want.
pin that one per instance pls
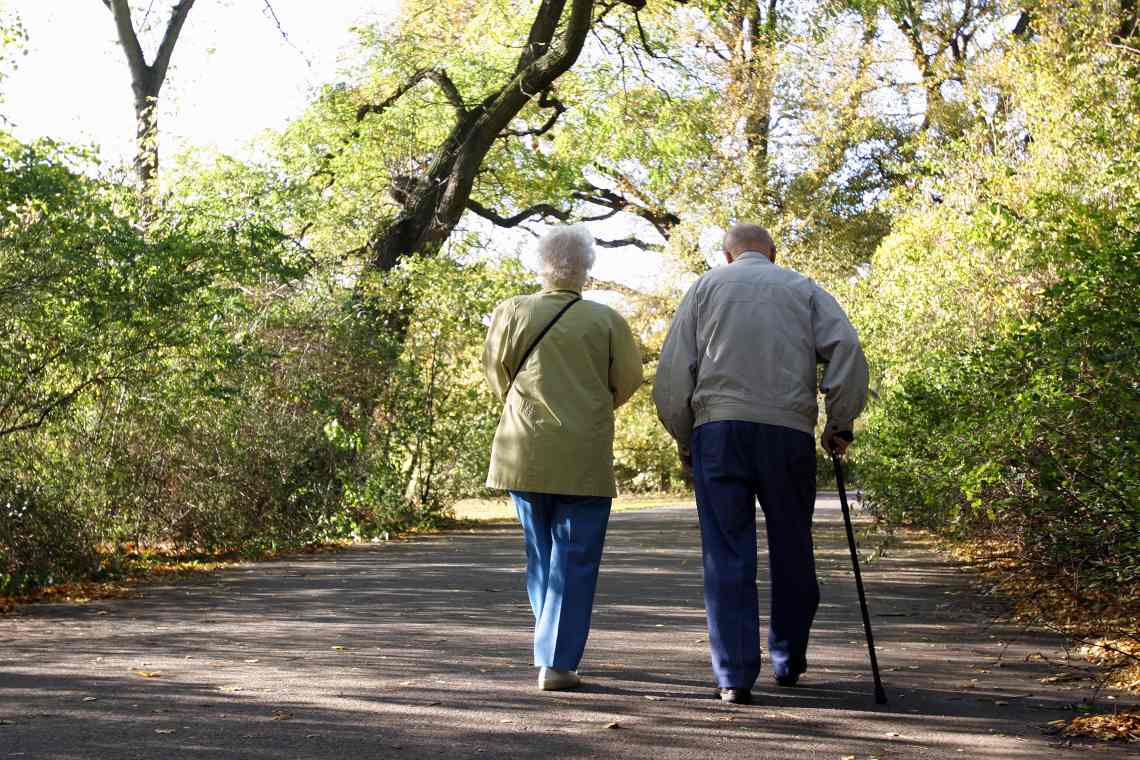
(420, 649)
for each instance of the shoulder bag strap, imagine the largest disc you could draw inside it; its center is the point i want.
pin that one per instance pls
(534, 343)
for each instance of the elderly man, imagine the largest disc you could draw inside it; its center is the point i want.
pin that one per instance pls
(562, 365)
(736, 387)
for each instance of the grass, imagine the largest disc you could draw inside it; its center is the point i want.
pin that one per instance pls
(502, 510)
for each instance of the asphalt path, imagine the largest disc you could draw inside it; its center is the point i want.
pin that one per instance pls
(421, 649)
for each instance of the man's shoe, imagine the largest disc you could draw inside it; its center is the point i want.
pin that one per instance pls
(788, 679)
(736, 696)
(550, 679)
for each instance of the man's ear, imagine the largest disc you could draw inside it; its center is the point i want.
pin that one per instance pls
(772, 255)
(728, 257)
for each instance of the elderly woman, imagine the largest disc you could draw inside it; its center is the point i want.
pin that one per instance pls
(561, 365)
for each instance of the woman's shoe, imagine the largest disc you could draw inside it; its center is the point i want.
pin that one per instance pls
(735, 696)
(550, 679)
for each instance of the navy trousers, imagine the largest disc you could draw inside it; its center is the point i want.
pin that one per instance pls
(564, 537)
(734, 465)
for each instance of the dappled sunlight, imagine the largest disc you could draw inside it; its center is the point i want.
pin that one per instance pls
(423, 647)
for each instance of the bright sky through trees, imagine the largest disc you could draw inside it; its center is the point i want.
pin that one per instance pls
(233, 73)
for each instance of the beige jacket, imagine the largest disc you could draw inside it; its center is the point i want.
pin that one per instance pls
(744, 345)
(556, 433)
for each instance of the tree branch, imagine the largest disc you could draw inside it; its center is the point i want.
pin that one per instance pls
(169, 38)
(541, 33)
(547, 100)
(269, 11)
(662, 220)
(544, 210)
(593, 283)
(439, 76)
(627, 241)
(128, 40)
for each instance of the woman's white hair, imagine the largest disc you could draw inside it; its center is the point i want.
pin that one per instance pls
(565, 256)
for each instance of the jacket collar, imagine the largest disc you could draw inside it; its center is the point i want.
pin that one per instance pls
(753, 256)
(549, 291)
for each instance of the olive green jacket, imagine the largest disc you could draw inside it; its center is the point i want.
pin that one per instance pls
(556, 434)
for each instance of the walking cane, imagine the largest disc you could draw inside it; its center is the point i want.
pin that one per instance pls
(880, 694)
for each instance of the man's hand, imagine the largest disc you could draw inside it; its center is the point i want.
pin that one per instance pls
(686, 457)
(836, 443)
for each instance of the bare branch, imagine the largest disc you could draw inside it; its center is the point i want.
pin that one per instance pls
(277, 21)
(439, 76)
(593, 283)
(166, 49)
(543, 210)
(546, 101)
(128, 40)
(627, 241)
(662, 220)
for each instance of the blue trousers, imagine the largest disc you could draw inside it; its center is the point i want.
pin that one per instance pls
(564, 538)
(734, 465)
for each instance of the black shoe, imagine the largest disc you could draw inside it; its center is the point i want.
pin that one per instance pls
(736, 696)
(788, 679)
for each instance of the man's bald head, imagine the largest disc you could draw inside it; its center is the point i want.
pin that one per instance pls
(748, 237)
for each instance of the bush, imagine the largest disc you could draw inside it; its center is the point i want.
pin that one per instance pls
(1001, 322)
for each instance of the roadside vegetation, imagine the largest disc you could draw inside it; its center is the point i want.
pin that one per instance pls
(234, 357)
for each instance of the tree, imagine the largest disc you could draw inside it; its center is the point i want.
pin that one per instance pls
(432, 204)
(147, 79)
(12, 39)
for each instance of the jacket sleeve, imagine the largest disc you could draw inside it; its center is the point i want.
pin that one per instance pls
(496, 348)
(844, 383)
(677, 372)
(626, 375)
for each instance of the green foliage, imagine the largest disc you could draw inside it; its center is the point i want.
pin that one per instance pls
(1001, 316)
(423, 438)
(13, 36)
(98, 320)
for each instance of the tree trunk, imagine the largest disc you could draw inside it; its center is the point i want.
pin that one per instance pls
(146, 82)
(1129, 22)
(758, 69)
(146, 132)
(436, 202)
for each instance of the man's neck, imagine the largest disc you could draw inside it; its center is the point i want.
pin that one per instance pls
(756, 254)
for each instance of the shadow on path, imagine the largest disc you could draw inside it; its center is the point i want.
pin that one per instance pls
(421, 648)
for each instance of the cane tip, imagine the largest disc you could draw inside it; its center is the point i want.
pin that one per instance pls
(880, 697)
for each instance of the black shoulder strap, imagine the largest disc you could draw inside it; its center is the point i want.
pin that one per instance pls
(541, 335)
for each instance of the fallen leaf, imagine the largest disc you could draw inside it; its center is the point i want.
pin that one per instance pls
(615, 724)
(147, 674)
(338, 648)
(251, 661)
(282, 715)
(164, 730)
(652, 698)
(1001, 703)
(1063, 677)
(90, 699)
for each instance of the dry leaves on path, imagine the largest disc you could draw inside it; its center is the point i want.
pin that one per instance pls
(1123, 726)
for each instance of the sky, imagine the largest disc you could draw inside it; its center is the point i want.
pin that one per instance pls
(233, 73)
